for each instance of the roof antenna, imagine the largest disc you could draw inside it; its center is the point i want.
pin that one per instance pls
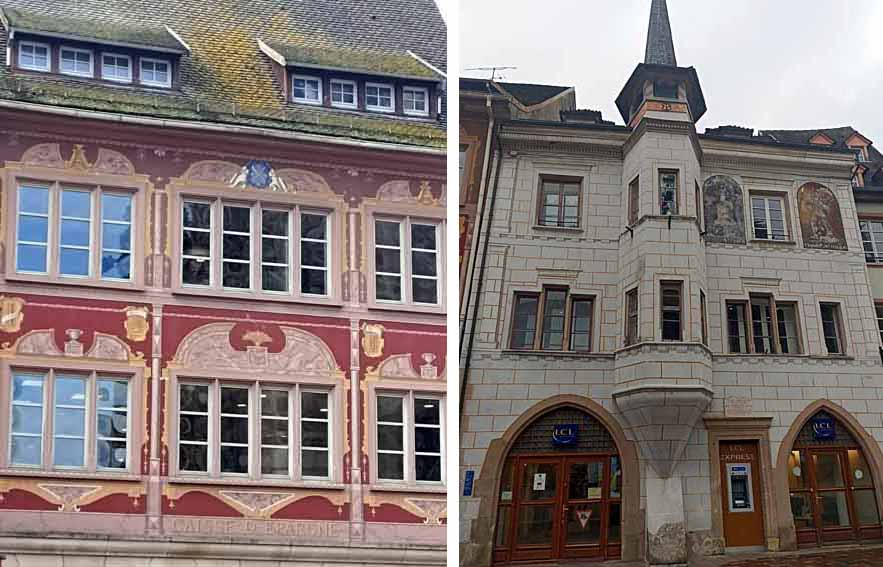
(493, 71)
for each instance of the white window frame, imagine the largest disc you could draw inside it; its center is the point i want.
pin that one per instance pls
(249, 417)
(392, 97)
(90, 437)
(410, 261)
(317, 101)
(767, 218)
(116, 56)
(409, 475)
(213, 245)
(413, 112)
(405, 274)
(34, 45)
(142, 60)
(96, 220)
(342, 82)
(292, 223)
(295, 430)
(251, 244)
(866, 228)
(300, 212)
(76, 50)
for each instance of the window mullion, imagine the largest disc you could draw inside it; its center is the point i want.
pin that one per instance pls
(410, 460)
(215, 429)
(749, 326)
(405, 255)
(295, 252)
(774, 321)
(256, 242)
(216, 253)
(95, 230)
(541, 313)
(48, 420)
(568, 313)
(254, 431)
(53, 255)
(91, 425)
(295, 432)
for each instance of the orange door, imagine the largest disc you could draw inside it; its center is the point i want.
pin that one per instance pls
(740, 494)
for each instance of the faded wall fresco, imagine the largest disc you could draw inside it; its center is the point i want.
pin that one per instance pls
(724, 210)
(820, 220)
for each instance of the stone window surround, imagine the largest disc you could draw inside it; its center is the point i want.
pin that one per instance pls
(636, 184)
(878, 305)
(665, 166)
(773, 294)
(636, 339)
(869, 446)
(574, 170)
(871, 218)
(371, 211)
(787, 208)
(596, 294)
(337, 426)
(742, 429)
(407, 388)
(335, 232)
(137, 414)
(659, 279)
(570, 297)
(569, 180)
(486, 488)
(684, 321)
(842, 327)
(50, 176)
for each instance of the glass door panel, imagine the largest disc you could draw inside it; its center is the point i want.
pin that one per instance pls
(537, 509)
(585, 481)
(829, 472)
(833, 509)
(539, 481)
(536, 525)
(584, 524)
(865, 505)
(584, 508)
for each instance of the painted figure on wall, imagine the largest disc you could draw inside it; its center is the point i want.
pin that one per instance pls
(724, 216)
(820, 220)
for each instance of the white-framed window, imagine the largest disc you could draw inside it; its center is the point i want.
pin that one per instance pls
(116, 67)
(872, 240)
(415, 101)
(410, 439)
(260, 256)
(259, 430)
(379, 97)
(406, 261)
(306, 89)
(879, 310)
(155, 72)
(74, 232)
(69, 420)
(344, 93)
(76, 62)
(34, 56)
(768, 216)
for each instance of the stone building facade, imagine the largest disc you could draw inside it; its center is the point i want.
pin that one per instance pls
(222, 286)
(676, 351)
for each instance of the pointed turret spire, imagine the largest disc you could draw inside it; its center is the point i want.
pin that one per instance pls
(660, 46)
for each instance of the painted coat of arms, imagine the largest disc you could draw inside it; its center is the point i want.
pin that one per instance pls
(258, 174)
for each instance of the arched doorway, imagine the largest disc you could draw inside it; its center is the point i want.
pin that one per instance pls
(831, 485)
(560, 491)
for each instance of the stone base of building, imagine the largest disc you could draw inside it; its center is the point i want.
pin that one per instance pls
(22, 551)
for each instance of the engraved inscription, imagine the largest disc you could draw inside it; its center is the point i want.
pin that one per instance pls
(278, 528)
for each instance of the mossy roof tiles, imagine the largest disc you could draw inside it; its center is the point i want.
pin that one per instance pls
(139, 35)
(362, 61)
(226, 78)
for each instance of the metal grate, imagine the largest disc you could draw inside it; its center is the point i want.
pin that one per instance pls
(592, 436)
(806, 438)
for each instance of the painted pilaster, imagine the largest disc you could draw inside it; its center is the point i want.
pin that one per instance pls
(355, 286)
(154, 484)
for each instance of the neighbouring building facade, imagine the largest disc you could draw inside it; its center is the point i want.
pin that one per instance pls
(222, 289)
(671, 348)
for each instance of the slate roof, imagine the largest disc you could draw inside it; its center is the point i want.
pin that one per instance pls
(531, 94)
(660, 45)
(226, 78)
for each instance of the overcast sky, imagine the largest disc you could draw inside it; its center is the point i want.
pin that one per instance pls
(765, 64)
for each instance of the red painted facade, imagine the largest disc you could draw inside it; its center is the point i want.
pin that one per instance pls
(81, 328)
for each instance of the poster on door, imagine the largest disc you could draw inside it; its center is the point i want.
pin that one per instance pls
(539, 481)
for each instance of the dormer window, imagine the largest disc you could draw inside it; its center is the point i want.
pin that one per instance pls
(415, 101)
(76, 62)
(379, 98)
(117, 68)
(156, 73)
(307, 89)
(33, 56)
(343, 93)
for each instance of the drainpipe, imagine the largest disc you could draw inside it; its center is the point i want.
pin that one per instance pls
(480, 280)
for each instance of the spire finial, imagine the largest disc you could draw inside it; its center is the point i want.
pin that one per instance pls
(660, 46)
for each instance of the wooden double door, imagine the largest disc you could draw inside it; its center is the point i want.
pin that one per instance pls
(561, 508)
(832, 496)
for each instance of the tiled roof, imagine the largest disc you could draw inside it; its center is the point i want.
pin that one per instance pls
(361, 61)
(135, 34)
(529, 95)
(226, 77)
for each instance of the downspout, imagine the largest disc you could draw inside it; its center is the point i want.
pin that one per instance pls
(480, 283)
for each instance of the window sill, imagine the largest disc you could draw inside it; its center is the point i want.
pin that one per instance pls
(765, 242)
(570, 229)
(226, 294)
(786, 356)
(75, 282)
(425, 309)
(71, 474)
(413, 488)
(559, 353)
(269, 483)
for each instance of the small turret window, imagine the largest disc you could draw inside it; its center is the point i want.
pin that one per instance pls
(665, 89)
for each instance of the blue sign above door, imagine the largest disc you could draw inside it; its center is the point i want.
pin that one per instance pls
(823, 428)
(565, 434)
